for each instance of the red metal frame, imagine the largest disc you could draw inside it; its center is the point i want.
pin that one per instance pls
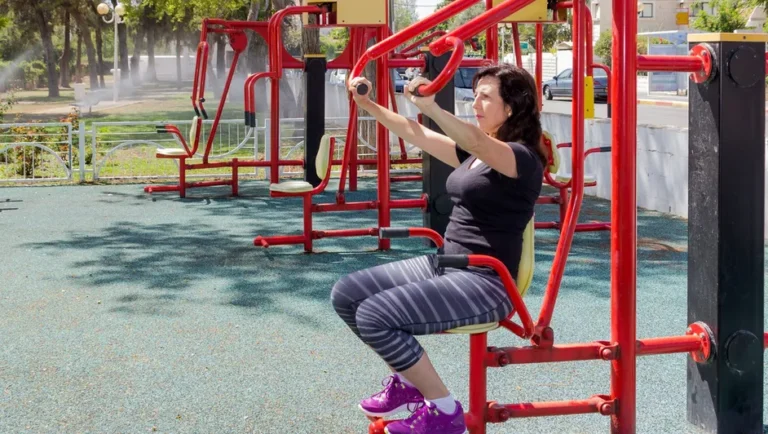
(623, 348)
(270, 31)
(561, 198)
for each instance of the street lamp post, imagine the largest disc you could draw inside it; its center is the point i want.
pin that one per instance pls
(117, 17)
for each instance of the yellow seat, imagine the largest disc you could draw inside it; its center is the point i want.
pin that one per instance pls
(549, 142)
(291, 187)
(523, 282)
(322, 161)
(171, 153)
(194, 131)
(565, 177)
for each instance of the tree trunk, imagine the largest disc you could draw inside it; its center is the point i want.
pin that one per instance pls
(179, 78)
(64, 65)
(221, 58)
(310, 39)
(100, 53)
(136, 59)
(151, 75)
(90, 51)
(50, 51)
(79, 58)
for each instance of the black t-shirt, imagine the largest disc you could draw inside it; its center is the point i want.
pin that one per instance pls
(491, 210)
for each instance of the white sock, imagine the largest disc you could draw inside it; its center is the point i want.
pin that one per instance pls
(447, 405)
(404, 380)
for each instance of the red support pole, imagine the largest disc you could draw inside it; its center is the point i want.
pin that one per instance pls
(491, 37)
(516, 40)
(571, 215)
(590, 57)
(624, 215)
(539, 59)
(478, 382)
(382, 145)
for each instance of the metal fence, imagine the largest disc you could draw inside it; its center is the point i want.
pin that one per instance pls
(44, 152)
(32, 152)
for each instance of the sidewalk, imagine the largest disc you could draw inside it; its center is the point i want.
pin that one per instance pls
(662, 99)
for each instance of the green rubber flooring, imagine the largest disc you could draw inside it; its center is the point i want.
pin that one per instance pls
(129, 313)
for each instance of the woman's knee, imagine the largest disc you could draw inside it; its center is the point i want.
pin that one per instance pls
(343, 294)
(371, 321)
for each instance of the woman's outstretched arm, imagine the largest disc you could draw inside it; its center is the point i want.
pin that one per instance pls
(467, 136)
(431, 142)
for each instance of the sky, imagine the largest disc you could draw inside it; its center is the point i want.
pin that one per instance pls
(425, 7)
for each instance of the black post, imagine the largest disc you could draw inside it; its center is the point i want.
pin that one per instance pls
(435, 172)
(725, 233)
(315, 66)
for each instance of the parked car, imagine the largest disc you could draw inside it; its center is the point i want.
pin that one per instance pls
(462, 82)
(561, 85)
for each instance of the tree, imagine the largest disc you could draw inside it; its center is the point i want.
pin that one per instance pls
(405, 14)
(553, 33)
(603, 46)
(728, 15)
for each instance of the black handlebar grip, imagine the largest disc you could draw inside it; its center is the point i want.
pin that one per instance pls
(205, 115)
(605, 149)
(362, 89)
(386, 233)
(253, 119)
(453, 261)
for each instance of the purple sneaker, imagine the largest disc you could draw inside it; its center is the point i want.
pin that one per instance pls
(394, 398)
(428, 419)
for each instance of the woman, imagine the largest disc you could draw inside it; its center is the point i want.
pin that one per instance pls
(497, 179)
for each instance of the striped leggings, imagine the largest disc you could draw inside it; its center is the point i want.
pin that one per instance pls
(387, 305)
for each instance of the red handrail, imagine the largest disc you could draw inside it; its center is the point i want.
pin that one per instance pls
(669, 63)
(448, 71)
(408, 33)
(275, 34)
(512, 290)
(406, 52)
(476, 25)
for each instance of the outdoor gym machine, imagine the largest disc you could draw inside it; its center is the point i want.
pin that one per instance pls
(379, 52)
(726, 337)
(235, 30)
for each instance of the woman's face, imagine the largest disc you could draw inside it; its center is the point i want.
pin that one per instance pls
(490, 110)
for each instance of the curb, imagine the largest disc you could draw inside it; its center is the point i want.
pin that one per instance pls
(663, 103)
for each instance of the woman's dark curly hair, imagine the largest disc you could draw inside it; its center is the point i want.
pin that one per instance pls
(518, 90)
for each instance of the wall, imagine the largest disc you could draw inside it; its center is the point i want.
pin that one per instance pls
(662, 162)
(662, 154)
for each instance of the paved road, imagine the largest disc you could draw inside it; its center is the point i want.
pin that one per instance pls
(646, 114)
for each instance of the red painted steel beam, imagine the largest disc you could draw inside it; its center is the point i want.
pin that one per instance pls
(669, 63)
(624, 215)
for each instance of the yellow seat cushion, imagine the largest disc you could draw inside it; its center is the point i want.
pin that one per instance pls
(323, 156)
(193, 130)
(171, 152)
(291, 187)
(565, 177)
(524, 279)
(474, 329)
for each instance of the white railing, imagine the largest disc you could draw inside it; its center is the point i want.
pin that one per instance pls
(34, 152)
(130, 147)
(126, 150)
